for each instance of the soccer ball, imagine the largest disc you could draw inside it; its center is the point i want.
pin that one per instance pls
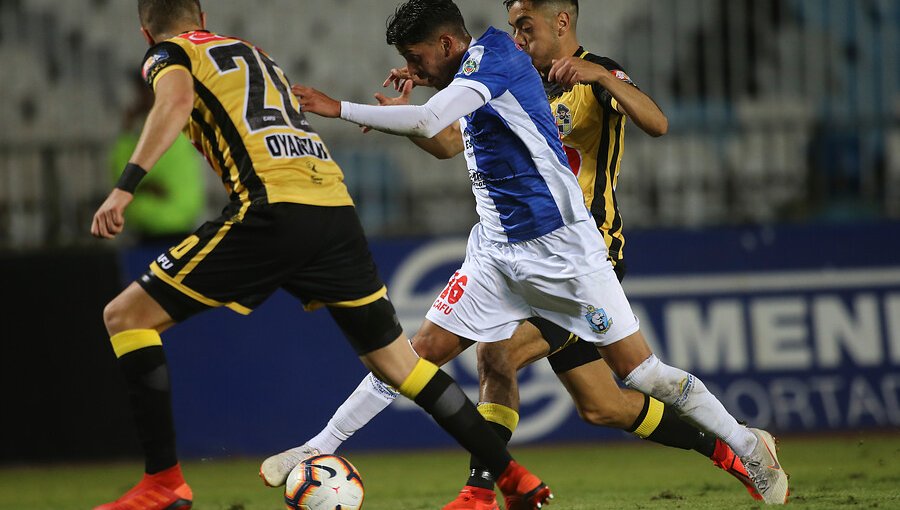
(324, 482)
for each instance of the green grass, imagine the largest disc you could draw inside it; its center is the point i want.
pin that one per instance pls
(855, 471)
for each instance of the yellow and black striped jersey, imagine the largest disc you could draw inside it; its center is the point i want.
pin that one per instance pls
(248, 124)
(593, 135)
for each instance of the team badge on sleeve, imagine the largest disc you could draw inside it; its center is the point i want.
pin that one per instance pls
(620, 74)
(598, 320)
(154, 64)
(470, 66)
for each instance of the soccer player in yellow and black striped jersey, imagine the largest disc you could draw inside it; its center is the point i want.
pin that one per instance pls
(290, 224)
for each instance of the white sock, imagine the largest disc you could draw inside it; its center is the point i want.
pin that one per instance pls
(368, 399)
(690, 398)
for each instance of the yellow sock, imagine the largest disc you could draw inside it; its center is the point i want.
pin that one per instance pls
(421, 374)
(134, 339)
(651, 419)
(499, 414)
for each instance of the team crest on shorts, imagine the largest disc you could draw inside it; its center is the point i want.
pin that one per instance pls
(598, 320)
(470, 66)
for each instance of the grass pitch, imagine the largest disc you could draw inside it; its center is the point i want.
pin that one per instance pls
(854, 471)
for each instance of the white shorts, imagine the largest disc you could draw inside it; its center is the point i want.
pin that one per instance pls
(563, 276)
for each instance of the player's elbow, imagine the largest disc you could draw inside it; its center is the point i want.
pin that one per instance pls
(428, 124)
(659, 127)
(425, 129)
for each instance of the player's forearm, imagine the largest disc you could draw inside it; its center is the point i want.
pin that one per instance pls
(426, 121)
(164, 124)
(445, 145)
(639, 107)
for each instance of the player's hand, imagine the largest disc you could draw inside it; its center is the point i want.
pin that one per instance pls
(571, 71)
(313, 101)
(399, 77)
(109, 220)
(402, 99)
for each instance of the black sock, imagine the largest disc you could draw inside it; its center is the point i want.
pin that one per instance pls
(479, 475)
(706, 444)
(147, 375)
(445, 401)
(673, 431)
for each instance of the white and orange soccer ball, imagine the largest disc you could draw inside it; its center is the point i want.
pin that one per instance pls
(324, 482)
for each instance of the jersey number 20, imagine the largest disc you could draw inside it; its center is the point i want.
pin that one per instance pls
(258, 115)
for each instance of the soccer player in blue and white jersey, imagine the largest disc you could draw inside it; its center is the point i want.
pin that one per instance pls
(535, 251)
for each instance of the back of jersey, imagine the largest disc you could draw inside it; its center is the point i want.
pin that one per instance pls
(248, 124)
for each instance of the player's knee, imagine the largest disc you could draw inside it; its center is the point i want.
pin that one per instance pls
(115, 316)
(428, 346)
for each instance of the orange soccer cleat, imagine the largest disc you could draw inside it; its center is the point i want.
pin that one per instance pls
(725, 458)
(474, 498)
(522, 490)
(165, 490)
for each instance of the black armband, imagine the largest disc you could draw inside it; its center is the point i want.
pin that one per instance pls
(131, 177)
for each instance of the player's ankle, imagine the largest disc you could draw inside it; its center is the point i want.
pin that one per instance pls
(171, 477)
(480, 477)
(721, 451)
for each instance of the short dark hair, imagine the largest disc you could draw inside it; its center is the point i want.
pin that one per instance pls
(540, 3)
(158, 16)
(417, 20)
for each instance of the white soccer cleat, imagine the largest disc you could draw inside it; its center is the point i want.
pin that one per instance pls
(764, 469)
(274, 470)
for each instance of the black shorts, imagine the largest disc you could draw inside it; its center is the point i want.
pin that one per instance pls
(318, 254)
(568, 351)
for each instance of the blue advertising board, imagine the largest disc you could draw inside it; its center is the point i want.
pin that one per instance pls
(794, 328)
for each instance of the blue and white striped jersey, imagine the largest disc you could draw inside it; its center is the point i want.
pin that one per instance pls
(520, 175)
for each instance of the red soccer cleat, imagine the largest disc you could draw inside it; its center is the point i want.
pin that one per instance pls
(165, 490)
(522, 490)
(723, 457)
(474, 498)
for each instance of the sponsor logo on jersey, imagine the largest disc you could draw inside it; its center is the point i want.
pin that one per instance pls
(477, 179)
(470, 66)
(563, 119)
(150, 64)
(598, 320)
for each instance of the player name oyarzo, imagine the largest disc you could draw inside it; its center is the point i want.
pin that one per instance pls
(293, 146)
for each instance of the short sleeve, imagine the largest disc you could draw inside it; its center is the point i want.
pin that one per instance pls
(603, 96)
(484, 71)
(161, 59)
